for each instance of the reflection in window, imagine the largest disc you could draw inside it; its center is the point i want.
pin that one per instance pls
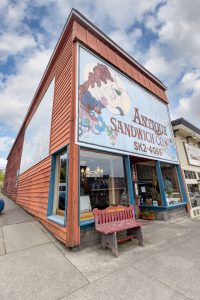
(60, 184)
(148, 184)
(171, 184)
(102, 182)
(37, 134)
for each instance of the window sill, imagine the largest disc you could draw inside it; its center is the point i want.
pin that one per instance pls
(86, 223)
(56, 219)
(163, 207)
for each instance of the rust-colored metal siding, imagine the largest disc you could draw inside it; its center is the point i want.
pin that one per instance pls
(106, 51)
(60, 132)
(33, 184)
(10, 186)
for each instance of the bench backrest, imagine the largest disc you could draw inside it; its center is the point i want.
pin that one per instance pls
(113, 214)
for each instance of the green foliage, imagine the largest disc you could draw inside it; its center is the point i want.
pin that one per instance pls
(2, 174)
(147, 213)
(170, 191)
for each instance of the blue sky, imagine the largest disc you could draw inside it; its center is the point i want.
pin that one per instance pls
(161, 35)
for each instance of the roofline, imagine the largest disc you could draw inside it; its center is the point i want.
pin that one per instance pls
(76, 15)
(43, 76)
(182, 121)
(110, 41)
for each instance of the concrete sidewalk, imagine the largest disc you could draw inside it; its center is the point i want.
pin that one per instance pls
(34, 265)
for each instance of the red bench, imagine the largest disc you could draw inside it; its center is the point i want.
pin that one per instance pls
(114, 219)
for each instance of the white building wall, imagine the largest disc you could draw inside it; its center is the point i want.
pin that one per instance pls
(183, 158)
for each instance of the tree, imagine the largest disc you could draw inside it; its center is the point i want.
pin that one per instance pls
(2, 176)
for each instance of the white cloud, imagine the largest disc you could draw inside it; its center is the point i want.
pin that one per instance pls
(157, 63)
(188, 105)
(127, 41)
(12, 44)
(121, 15)
(5, 143)
(3, 163)
(18, 90)
(13, 13)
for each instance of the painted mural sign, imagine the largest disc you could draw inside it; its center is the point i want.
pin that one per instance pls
(193, 155)
(117, 114)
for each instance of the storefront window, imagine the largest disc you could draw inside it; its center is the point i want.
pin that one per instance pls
(102, 182)
(57, 202)
(171, 184)
(60, 184)
(148, 184)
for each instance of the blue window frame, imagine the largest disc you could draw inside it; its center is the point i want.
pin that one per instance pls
(58, 190)
(101, 173)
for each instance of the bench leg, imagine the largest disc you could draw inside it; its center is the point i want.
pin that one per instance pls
(110, 241)
(137, 232)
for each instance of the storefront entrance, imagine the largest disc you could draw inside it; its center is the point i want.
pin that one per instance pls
(108, 179)
(145, 183)
(153, 188)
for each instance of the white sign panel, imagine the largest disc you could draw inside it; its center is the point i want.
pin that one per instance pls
(193, 155)
(116, 114)
(37, 134)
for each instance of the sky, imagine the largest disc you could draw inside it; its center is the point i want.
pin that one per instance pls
(162, 35)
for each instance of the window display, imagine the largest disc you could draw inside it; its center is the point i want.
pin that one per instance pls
(171, 184)
(148, 184)
(102, 182)
(60, 184)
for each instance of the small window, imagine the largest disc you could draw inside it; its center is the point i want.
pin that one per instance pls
(171, 183)
(60, 184)
(58, 187)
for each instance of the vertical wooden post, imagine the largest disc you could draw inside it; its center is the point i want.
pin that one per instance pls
(72, 220)
(161, 184)
(130, 182)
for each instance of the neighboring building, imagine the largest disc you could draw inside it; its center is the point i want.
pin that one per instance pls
(97, 133)
(187, 137)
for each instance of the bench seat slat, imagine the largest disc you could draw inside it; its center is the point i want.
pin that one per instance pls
(118, 226)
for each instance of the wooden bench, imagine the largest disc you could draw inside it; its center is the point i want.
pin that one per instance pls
(114, 219)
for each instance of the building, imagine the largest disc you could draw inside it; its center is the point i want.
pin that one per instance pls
(97, 133)
(187, 137)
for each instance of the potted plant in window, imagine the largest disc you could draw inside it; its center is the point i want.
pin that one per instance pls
(170, 191)
(148, 215)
